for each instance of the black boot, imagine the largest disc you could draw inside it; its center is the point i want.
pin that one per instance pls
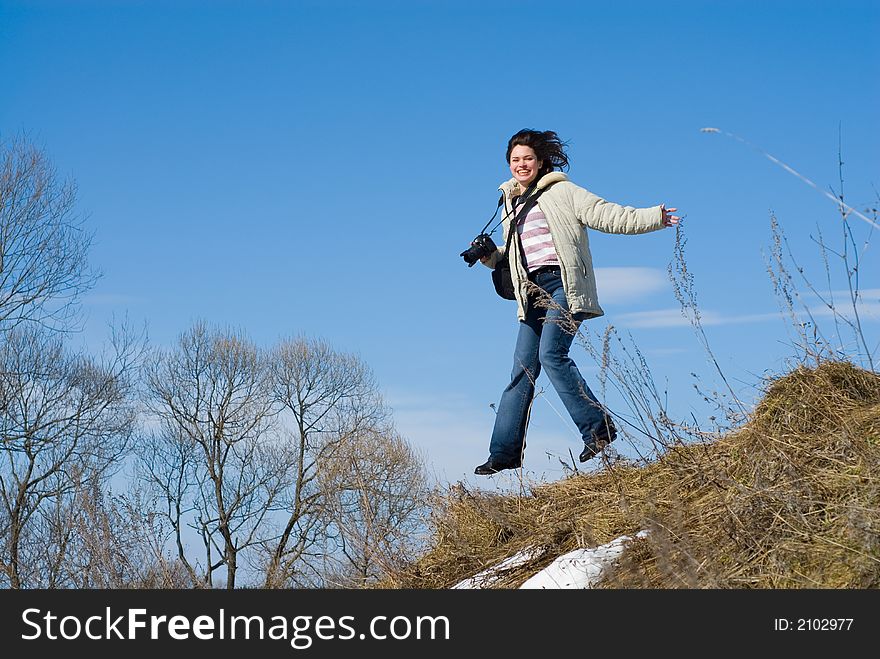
(493, 467)
(602, 437)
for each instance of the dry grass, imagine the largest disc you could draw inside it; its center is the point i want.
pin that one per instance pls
(789, 500)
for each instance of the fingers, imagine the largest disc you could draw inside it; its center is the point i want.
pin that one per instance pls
(669, 219)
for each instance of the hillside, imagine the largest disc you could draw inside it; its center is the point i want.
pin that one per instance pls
(789, 500)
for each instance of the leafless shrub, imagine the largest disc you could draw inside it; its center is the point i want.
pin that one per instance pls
(376, 489)
(118, 541)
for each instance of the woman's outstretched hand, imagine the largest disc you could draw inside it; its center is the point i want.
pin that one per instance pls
(669, 220)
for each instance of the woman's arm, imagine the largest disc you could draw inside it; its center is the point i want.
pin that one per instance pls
(596, 213)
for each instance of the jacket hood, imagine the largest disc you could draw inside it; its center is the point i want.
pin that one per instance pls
(512, 185)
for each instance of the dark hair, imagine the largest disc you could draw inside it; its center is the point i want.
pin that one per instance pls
(547, 147)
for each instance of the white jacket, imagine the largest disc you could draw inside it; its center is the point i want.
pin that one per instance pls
(570, 209)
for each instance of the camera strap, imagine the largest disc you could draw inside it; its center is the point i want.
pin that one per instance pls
(497, 208)
(529, 198)
(507, 213)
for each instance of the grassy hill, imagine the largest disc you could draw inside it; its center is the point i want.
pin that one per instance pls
(789, 500)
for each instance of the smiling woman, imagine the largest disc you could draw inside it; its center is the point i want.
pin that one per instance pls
(553, 280)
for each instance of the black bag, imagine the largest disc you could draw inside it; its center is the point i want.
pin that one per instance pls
(502, 280)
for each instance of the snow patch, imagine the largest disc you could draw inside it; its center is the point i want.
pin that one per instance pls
(490, 575)
(581, 568)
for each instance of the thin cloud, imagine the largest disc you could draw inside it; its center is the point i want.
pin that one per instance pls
(675, 318)
(619, 285)
(867, 310)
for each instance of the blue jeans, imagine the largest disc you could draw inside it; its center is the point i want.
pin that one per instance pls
(542, 343)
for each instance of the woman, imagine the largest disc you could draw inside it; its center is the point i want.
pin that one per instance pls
(550, 253)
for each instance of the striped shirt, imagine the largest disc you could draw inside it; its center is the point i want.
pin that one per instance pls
(537, 243)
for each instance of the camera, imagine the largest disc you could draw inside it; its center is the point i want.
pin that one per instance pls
(482, 245)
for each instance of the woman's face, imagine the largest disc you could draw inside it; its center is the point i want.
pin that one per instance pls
(524, 164)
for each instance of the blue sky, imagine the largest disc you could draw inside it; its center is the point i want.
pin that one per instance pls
(316, 168)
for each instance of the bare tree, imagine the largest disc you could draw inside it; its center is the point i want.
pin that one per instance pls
(213, 458)
(43, 245)
(236, 447)
(326, 398)
(377, 488)
(65, 422)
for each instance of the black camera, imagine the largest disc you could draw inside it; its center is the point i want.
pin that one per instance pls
(482, 245)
